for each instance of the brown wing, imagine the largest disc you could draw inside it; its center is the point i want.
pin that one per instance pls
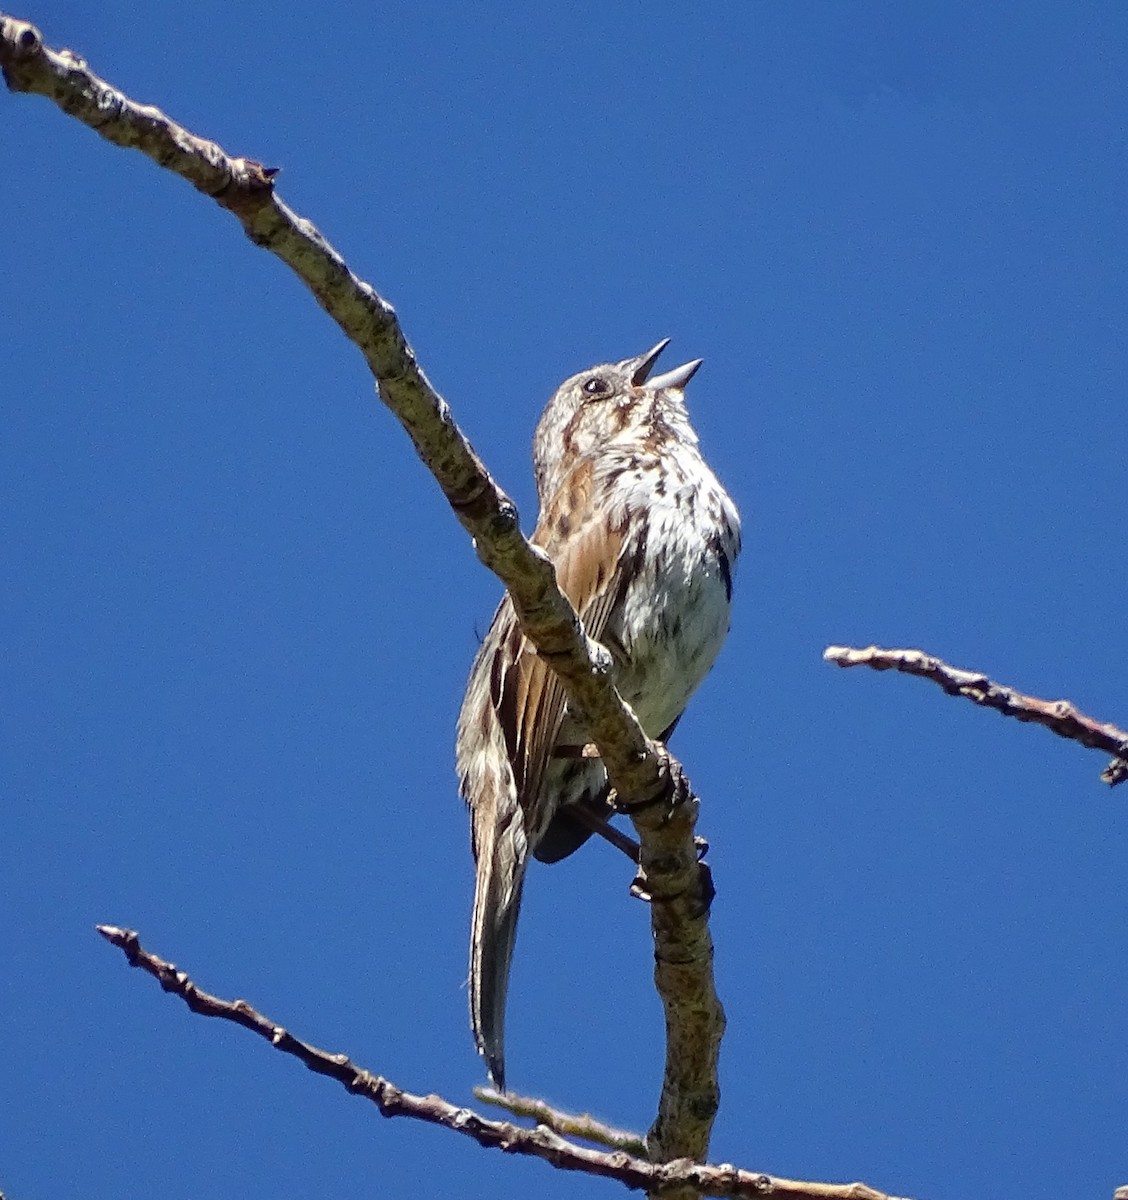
(588, 555)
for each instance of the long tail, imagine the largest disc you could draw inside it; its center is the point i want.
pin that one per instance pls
(485, 750)
(502, 855)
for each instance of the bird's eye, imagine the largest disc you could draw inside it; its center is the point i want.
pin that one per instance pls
(596, 386)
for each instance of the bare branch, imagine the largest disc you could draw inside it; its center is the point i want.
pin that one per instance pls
(541, 1142)
(567, 1124)
(680, 889)
(1059, 716)
(640, 770)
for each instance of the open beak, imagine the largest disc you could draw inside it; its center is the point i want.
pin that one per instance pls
(677, 378)
(645, 363)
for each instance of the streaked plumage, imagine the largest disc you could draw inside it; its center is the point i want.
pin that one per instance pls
(643, 539)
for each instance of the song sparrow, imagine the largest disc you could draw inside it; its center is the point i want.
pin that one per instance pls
(643, 539)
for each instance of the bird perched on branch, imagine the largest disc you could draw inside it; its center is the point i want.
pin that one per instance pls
(643, 539)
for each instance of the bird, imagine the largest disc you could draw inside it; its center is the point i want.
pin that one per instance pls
(643, 539)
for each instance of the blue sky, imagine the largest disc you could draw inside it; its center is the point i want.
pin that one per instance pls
(237, 616)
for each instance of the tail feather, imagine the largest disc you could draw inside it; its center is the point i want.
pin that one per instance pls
(493, 930)
(489, 784)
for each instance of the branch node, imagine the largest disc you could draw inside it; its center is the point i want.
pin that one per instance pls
(24, 38)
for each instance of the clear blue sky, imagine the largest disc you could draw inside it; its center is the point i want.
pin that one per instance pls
(237, 616)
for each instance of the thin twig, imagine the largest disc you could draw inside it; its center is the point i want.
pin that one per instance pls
(581, 1125)
(638, 768)
(542, 1142)
(1059, 716)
